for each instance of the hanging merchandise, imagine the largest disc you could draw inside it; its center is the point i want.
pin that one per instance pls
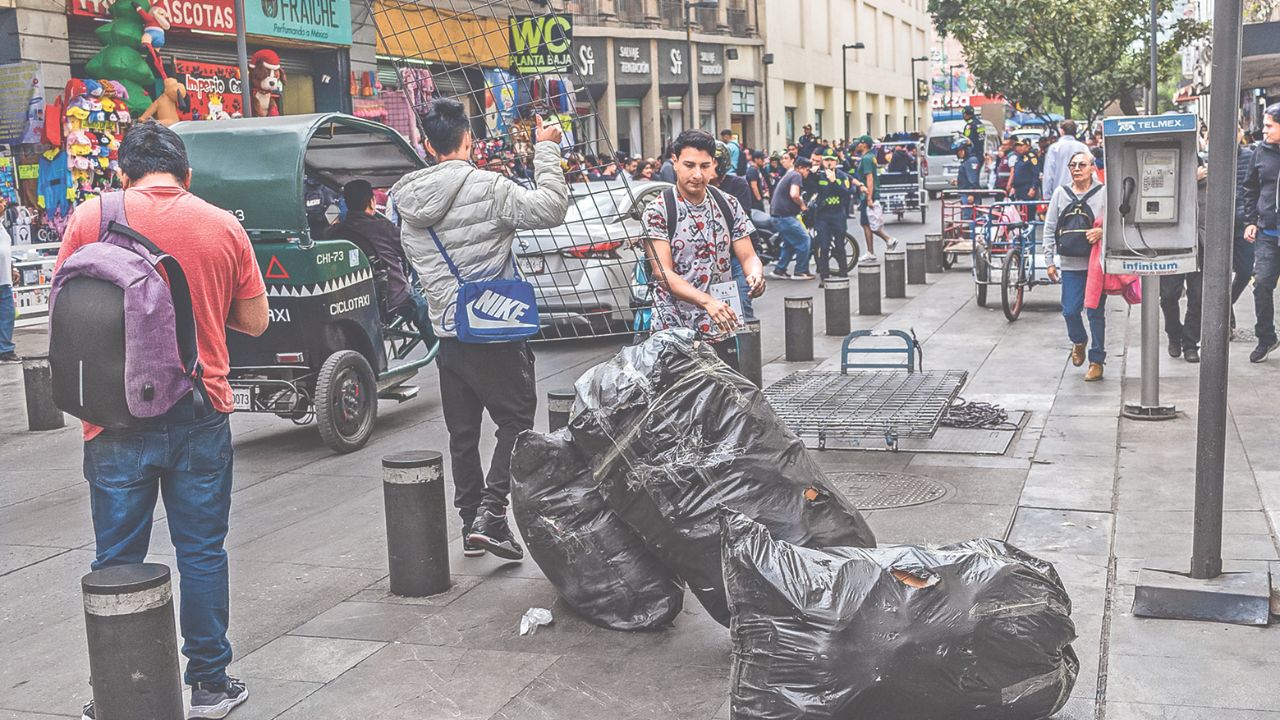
(499, 100)
(121, 58)
(674, 434)
(8, 178)
(419, 87)
(597, 564)
(55, 184)
(974, 631)
(94, 122)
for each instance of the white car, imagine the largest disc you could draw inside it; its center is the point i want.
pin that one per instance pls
(583, 271)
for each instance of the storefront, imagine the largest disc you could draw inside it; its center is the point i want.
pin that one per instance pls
(632, 73)
(673, 85)
(710, 83)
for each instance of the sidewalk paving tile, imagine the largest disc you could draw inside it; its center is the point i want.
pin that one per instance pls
(380, 592)
(1228, 681)
(1063, 531)
(16, 557)
(1148, 711)
(364, 621)
(305, 659)
(269, 697)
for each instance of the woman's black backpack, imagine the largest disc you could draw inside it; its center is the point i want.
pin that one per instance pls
(1074, 221)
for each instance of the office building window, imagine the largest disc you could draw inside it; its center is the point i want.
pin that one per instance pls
(791, 124)
(869, 129)
(817, 123)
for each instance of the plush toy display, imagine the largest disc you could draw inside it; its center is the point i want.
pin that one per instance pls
(266, 82)
(154, 24)
(121, 57)
(168, 108)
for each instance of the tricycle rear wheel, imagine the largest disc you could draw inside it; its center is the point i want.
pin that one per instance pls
(346, 401)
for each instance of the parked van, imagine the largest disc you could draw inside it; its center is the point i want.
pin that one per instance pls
(943, 163)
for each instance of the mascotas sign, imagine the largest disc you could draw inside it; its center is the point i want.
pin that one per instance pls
(320, 21)
(541, 43)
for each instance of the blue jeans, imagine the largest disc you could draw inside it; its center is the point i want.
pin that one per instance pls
(1266, 272)
(744, 292)
(1073, 282)
(189, 463)
(6, 319)
(795, 244)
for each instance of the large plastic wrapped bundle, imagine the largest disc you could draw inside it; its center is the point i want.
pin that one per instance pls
(674, 434)
(597, 564)
(974, 631)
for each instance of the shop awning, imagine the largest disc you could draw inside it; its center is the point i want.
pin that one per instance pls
(418, 32)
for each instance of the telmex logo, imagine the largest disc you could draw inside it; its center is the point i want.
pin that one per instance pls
(1128, 125)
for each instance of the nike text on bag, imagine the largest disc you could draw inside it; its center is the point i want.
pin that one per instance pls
(487, 311)
(1075, 220)
(122, 341)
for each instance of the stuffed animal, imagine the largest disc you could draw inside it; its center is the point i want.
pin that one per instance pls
(215, 107)
(266, 81)
(168, 108)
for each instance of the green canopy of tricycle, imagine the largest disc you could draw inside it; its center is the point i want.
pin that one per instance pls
(255, 167)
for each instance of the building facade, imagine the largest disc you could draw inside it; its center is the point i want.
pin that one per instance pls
(805, 82)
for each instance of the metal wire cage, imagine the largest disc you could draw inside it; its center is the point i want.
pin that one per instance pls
(508, 62)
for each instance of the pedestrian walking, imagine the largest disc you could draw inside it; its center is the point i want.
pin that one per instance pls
(1262, 228)
(735, 150)
(1182, 331)
(1071, 227)
(1241, 250)
(667, 170)
(694, 230)
(459, 222)
(757, 181)
(184, 455)
(785, 208)
(1056, 173)
(833, 194)
(871, 214)
(8, 351)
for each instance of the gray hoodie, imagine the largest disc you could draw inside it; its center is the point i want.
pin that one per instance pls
(476, 214)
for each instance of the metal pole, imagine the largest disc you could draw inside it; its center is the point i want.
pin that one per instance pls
(917, 261)
(37, 381)
(844, 87)
(133, 647)
(915, 98)
(1154, 96)
(242, 55)
(835, 304)
(1150, 283)
(895, 274)
(691, 95)
(868, 288)
(797, 321)
(417, 534)
(934, 256)
(750, 360)
(1211, 420)
(559, 408)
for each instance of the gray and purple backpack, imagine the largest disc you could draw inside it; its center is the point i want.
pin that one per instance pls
(122, 341)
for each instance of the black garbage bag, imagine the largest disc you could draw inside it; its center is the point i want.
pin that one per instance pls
(597, 564)
(974, 631)
(674, 434)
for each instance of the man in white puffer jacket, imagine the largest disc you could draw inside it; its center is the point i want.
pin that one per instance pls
(475, 214)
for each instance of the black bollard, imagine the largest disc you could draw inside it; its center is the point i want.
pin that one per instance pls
(836, 305)
(750, 359)
(798, 322)
(933, 253)
(916, 261)
(37, 378)
(133, 647)
(895, 274)
(417, 532)
(869, 288)
(559, 408)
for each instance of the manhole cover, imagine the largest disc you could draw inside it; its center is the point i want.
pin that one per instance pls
(879, 490)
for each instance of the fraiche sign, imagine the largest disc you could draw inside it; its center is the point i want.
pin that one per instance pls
(208, 15)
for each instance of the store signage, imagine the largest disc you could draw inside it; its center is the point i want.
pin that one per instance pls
(541, 43)
(710, 63)
(319, 21)
(634, 60)
(206, 15)
(591, 58)
(21, 103)
(214, 89)
(671, 62)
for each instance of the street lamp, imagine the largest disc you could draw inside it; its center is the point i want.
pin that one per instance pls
(844, 83)
(689, 7)
(915, 91)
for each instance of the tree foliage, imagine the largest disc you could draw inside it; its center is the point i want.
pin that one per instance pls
(1076, 55)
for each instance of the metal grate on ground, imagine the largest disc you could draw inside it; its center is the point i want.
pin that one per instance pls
(882, 490)
(866, 403)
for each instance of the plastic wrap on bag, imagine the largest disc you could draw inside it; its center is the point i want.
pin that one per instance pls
(597, 564)
(674, 434)
(974, 631)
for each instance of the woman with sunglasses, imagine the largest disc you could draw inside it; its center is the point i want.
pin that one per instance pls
(1077, 210)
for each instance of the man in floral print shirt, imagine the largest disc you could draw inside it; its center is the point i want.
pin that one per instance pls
(690, 258)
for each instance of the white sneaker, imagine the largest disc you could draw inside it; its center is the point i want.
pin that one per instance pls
(867, 258)
(891, 244)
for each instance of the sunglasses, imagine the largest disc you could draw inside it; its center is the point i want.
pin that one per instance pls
(1078, 165)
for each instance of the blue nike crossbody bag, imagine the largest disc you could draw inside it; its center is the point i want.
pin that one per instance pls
(492, 311)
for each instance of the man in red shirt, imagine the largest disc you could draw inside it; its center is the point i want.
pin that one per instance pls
(184, 455)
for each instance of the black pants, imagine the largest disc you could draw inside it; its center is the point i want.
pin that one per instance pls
(830, 228)
(497, 377)
(1266, 271)
(1184, 332)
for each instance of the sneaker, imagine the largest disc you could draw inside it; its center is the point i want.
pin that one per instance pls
(86, 713)
(469, 549)
(1077, 354)
(1261, 352)
(867, 258)
(216, 700)
(492, 533)
(1094, 373)
(1191, 355)
(780, 274)
(1175, 348)
(803, 276)
(891, 244)
(10, 357)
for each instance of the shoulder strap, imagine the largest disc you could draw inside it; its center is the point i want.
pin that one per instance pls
(454, 268)
(112, 206)
(725, 209)
(669, 201)
(1092, 191)
(1071, 194)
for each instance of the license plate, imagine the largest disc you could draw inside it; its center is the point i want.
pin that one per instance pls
(242, 398)
(532, 264)
(953, 170)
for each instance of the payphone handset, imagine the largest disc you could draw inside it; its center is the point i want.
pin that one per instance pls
(1156, 186)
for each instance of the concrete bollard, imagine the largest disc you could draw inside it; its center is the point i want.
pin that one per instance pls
(750, 356)
(869, 288)
(559, 408)
(933, 252)
(836, 305)
(798, 322)
(895, 274)
(916, 261)
(133, 646)
(37, 379)
(417, 532)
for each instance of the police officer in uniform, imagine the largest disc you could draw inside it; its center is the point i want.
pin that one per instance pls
(1024, 180)
(833, 197)
(975, 132)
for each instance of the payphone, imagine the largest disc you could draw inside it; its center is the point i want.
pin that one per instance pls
(1151, 195)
